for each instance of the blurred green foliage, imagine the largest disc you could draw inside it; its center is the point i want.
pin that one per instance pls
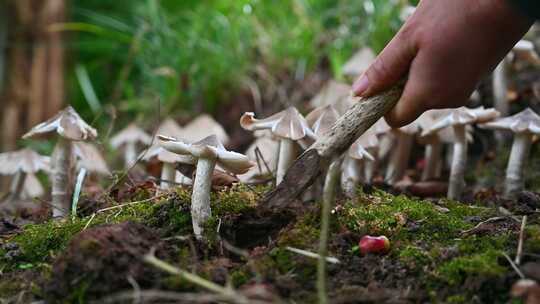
(194, 54)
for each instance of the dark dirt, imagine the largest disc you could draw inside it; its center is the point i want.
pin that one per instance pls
(104, 258)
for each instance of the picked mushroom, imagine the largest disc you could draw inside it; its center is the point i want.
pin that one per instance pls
(208, 152)
(524, 125)
(289, 126)
(129, 138)
(22, 164)
(70, 127)
(458, 119)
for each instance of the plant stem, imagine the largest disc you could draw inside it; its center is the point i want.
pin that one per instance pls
(459, 162)
(60, 181)
(330, 184)
(200, 199)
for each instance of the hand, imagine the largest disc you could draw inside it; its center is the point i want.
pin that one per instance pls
(445, 47)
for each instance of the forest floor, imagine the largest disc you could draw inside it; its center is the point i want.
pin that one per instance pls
(441, 250)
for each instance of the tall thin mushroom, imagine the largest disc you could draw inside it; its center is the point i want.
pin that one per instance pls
(208, 152)
(524, 125)
(289, 125)
(458, 119)
(70, 127)
(129, 138)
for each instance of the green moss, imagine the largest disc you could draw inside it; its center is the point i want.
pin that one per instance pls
(240, 277)
(414, 256)
(483, 264)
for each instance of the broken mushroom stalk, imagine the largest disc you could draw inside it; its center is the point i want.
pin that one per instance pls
(208, 152)
(289, 126)
(70, 127)
(524, 125)
(458, 119)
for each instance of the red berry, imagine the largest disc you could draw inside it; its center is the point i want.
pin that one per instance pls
(374, 244)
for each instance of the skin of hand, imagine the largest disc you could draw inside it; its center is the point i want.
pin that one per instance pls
(445, 47)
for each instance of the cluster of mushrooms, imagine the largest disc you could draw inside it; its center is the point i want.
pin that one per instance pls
(192, 154)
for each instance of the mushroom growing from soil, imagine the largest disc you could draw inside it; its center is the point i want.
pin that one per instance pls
(129, 138)
(353, 165)
(358, 63)
(289, 126)
(458, 119)
(524, 125)
(208, 152)
(21, 164)
(70, 127)
(399, 158)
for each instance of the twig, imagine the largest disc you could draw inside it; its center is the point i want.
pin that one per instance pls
(314, 255)
(151, 296)
(516, 269)
(229, 294)
(489, 220)
(519, 252)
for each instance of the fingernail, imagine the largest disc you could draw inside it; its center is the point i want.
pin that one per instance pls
(360, 86)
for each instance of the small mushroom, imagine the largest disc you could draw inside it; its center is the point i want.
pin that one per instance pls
(22, 164)
(70, 127)
(333, 93)
(402, 150)
(87, 156)
(208, 152)
(434, 144)
(202, 126)
(169, 160)
(359, 63)
(458, 119)
(357, 155)
(289, 126)
(524, 125)
(128, 138)
(381, 130)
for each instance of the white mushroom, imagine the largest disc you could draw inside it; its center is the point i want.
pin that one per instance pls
(169, 174)
(399, 158)
(263, 152)
(208, 152)
(202, 126)
(71, 127)
(87, 156)
(357, 155)
(22, 164)
(128, 138)
(524, 125)
(458, 119)
(386, 142)
(359, 63)
(333, 93)
(289, 125)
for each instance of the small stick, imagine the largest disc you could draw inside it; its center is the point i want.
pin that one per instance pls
(519, 252)
(516, 269)
(310, 254)
(258, 153)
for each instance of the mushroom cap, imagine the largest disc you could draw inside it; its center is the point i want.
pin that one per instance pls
(89, 157)
(68, 124)
(524, 121)
(131, 134)
(24, 160)
(358, 149)
(203, 126)
(322, 119)
(359, 63)
(288, 123)
(462, 116)
(332, 92)
(165, 156)
(210, 148)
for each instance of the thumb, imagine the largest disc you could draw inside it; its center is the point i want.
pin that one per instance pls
(389, 67)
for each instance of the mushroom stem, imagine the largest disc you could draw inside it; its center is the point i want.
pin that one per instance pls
(459, 162)
(60, 181)
(399, 159)
(200, 199)
(330, 184)
(500, 88)
(181, 179)
(370, 167)
(17, 184)
(286, 158)
(130, 154)
(351, 176)
(168, 175)
(433, 160)
(518, 157)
